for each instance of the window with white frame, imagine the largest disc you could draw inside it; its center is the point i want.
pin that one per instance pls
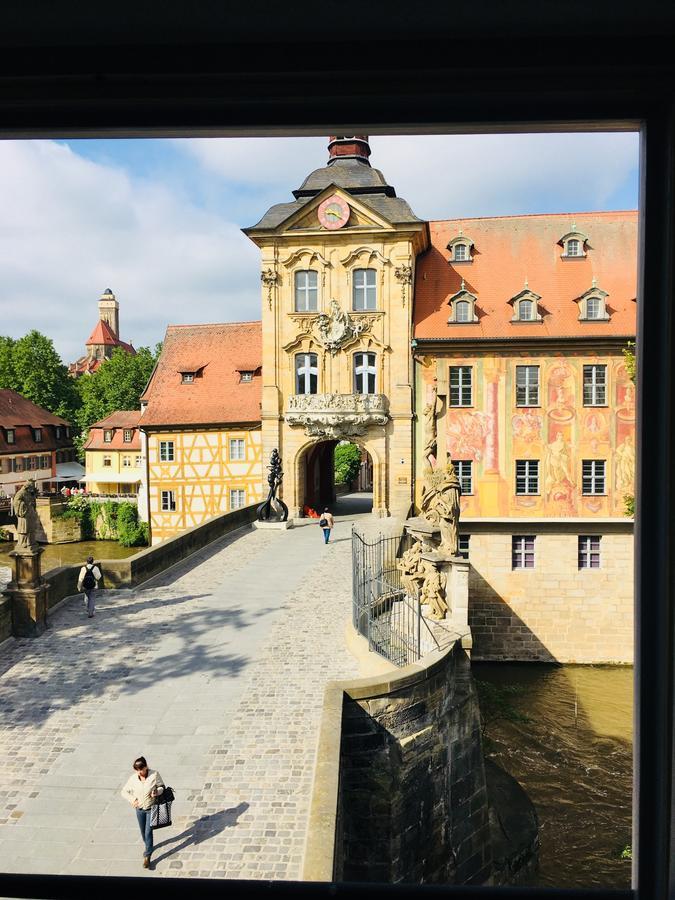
(522, 551)
(595, 385)
(364, 373)
(460, 253)
(593, 308)
(237, 448)
(237, 498)
(57, 432)
(463, 545)
(246, 376)
(364, 289)
(464, 471)
(589, 551)
(463, 311)
(37, 435)
(107, 461)
(33, 463)
(128, 435)
(126, 462)
(306, 290)
(527, 476)
(306, 373)
(527, 385)
(166, 451)
(187, 377)
(574, 247)
(138, 462)
(526, 310)
(593, 477)
(461, 393)
(11, 436)
(107, 436)
(168, 501)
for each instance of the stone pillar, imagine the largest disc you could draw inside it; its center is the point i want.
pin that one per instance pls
(29, 595)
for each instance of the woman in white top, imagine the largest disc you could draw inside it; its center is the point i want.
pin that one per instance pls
(327, 523)
(140, 791)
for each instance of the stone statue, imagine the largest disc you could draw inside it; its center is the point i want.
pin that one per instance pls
(440, 505)
(24, 506)
(433, 592)
(273, 509)
(411, 567)
(431, 411)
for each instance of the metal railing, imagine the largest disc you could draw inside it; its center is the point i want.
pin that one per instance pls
(381, 610)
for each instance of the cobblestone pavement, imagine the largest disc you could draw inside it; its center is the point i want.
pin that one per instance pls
(215, 672)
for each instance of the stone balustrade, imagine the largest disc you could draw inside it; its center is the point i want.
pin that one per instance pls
(337, 416)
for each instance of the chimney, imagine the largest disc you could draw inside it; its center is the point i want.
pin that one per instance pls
(109, 311)
(349, 147)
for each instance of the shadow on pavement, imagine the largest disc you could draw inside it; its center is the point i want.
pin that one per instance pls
(202, 829)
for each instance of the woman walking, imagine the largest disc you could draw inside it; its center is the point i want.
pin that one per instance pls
(327, 523)
(140, 791)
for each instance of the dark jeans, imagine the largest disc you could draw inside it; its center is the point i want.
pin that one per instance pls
(143, 816)
(326, 534)
(89, 599)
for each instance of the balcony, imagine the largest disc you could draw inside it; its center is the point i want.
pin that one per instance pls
(337, 416)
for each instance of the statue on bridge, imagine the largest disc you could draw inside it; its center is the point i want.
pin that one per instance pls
(24, 507)
(440, 505)
(273, 509)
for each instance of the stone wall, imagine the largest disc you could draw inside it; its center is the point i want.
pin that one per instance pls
(555, 611)
(124, 573)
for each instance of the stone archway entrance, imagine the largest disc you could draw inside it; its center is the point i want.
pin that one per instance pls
(316, 478)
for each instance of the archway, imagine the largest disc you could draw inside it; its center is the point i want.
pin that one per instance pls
(318, 485)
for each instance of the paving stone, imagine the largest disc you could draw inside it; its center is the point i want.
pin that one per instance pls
(215, 671)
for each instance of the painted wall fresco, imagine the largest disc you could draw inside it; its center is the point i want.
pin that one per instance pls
(560, 433)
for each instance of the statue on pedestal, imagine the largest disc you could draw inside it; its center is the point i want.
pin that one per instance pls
(433, 592)
(273, 509)
(411, 567)
(24, 507)
(440, 505)
(431, 411)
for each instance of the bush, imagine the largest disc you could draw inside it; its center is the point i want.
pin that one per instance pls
(130, 532)
(347, 462)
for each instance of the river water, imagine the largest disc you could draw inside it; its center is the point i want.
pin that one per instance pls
(66, 554)
(574, 758)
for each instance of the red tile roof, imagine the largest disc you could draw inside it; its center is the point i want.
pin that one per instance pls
(511, 251)
(217, 396)
(17, 410)
(103, 334)
(116, 422)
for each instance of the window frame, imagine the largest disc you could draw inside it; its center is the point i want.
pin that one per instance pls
(241, 443)
(593, 385)
(130, 432)
(237, 491)
(460, 466)
(366, 288)
(167, 451)
(187, 377)
(527, 387)
(586, 551)
(464, 545)
(107, 435)
(299, 291)
(460, 388)
(107, 461)
(305, 371)
(126, 461)
(590, 478)
(10, 436)
(521, 552)
(167, 500)
(367, 369)
(527, 481)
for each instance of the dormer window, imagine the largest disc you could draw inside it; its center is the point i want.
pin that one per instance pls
(460, 248)
(247, 376)
(11, 436)
(574, 245)
(187, 377)
(128, 435)
(189, 372)
(593, 305)
(526, 306)
(37, 435)
(107, 436)
(463, 306)
(57, 432)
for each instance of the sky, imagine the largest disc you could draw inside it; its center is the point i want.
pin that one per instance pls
(158, 221)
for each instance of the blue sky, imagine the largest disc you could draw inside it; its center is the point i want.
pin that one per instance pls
(158, 221)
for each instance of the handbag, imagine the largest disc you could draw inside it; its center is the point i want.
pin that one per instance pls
(160, 812)
(323, 523)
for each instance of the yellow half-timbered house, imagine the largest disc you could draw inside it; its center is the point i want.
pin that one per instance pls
(201, 426)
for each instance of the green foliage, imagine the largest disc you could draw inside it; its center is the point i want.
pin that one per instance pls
(347, 462)
(629, 360)
(130, 532)
(31, 366)
(495, 701)
(629, 505)
(4, 534)
(117, 384)
(623, 851)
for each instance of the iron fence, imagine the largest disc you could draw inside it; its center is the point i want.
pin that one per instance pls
(382, 611)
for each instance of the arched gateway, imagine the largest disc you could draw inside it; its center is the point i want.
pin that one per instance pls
(337, 274)
(314, 477)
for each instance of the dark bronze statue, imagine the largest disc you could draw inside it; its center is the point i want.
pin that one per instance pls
(273, 509)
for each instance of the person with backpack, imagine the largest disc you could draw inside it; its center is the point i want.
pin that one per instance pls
(327, 523)
(88, 580)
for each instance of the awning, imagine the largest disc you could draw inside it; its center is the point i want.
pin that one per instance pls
(69, 471)
(111, 478)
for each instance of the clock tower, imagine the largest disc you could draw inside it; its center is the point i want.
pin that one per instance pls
(337, 270)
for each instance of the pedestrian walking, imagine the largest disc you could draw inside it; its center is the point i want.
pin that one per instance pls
(141, 790)
(327, 523)
(87, 581)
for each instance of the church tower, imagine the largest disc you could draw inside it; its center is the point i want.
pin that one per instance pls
(109, 311)
(337, 270)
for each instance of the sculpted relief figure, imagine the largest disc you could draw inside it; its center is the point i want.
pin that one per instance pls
(557, 463)
(440, 505)
(24, 506)
(411, 567)
(433, 592)
(625, 465)
(431, 411)
(335, 328)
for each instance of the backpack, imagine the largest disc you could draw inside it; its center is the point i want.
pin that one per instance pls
(89, 582)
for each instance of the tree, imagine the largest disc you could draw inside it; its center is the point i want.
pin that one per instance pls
(117, 384)
(347, 462)
(31, 366)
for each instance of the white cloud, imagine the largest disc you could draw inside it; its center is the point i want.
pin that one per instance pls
(70, 227)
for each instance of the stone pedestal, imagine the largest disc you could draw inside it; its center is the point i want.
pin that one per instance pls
(29, 595)
(455, 570)
(273, 526)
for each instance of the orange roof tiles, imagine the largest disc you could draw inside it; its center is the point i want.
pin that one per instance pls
(116, 422)
(103, 334)
(217, 396)
(511, 252)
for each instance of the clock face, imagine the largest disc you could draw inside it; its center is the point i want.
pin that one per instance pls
(333, 213)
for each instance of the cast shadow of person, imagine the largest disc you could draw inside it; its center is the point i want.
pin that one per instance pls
(202, 829)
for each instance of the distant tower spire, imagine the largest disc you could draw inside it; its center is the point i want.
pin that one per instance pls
(343, 146)
(109, 311)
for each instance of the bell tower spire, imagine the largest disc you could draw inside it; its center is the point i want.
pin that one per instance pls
(354, 146)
